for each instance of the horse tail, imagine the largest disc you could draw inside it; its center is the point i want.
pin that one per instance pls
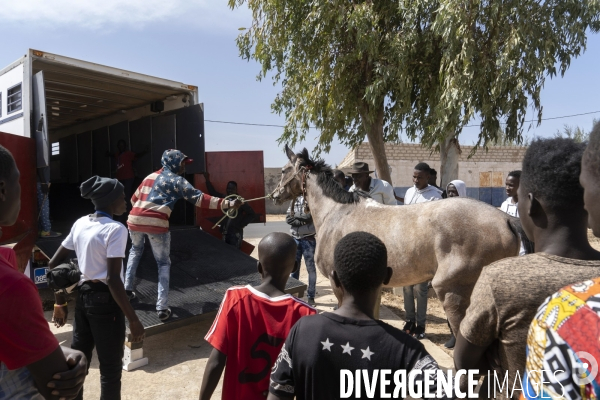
(514, 224)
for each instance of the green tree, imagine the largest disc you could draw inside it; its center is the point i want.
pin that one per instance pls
(576, 133)
(423, 68)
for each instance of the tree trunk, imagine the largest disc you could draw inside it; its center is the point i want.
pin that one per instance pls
(374, 128)
(449, 155)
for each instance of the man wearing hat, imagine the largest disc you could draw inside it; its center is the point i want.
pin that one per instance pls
(153, 203)
(379, 190)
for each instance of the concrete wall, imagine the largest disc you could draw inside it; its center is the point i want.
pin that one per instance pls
(272, 178)
(484, 173)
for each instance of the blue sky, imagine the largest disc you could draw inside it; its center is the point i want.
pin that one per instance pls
(193, 41)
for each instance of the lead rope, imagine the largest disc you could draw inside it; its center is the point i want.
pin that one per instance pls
(232, 212)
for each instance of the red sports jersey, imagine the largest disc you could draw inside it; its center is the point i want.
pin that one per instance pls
(250, 329)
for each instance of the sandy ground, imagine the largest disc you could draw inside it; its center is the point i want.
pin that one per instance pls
(275, 217)
(177, 358)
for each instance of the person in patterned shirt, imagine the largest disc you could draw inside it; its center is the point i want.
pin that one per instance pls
(153, 202)
(562, 343)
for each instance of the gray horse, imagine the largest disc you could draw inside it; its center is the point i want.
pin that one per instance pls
(448, 241)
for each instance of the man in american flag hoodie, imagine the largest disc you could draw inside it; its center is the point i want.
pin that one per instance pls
(153, 202)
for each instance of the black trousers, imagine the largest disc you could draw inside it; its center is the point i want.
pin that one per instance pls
(234, 238)
(99, 322)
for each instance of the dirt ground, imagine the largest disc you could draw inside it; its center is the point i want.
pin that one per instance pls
(177, 358)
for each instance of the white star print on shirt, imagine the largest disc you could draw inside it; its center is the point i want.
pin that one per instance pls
(327, 345)
(168, 191)
(347, 348)
(367, 353)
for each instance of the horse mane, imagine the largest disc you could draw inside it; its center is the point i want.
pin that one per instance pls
(325, 180)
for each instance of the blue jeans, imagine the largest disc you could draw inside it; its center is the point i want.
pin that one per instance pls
(306, 248)
(161, 248)
(409, 302)
(44, 210)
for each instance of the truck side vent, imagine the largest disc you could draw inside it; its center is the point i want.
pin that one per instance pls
(14, 99)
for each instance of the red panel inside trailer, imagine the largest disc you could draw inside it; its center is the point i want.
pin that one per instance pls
(24, 231)
(244, 167)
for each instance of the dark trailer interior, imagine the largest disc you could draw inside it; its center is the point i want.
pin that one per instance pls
(88, 111)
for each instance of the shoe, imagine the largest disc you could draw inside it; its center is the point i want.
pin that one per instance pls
(450, 343)
(130, 295)
(409, 327)
(49, 234)
(164, 315)
(419, 333)
(311, 301)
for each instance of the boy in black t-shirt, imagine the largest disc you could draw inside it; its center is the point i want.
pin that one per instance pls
(322, 353)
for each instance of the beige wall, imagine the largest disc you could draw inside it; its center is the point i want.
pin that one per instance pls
(403, 157)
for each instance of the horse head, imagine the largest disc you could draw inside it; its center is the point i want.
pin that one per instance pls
(290, 185)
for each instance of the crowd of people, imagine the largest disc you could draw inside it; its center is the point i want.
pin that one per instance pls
(529, 317)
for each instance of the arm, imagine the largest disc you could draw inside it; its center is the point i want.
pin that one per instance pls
(212, 373)
(68, 384)
(469, 356)
(293, 221)
(60, 312)
(202, 200)
(211, 189)
(43, 370)
(305, 218)
(113, 280)
(479, 329)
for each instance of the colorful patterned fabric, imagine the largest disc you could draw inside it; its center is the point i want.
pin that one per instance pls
(562, 345)
(154, 199)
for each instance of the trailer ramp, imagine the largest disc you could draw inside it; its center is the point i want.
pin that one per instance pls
(202, 269)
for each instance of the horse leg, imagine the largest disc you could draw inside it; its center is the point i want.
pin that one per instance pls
(455, 299)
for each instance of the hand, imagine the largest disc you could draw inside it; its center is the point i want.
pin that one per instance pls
(137, 331)
(67, 385)
(60, 316)
(237, 204)
(45, 188)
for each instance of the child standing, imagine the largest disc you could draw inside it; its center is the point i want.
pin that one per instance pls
(102, 303)
(252, 325)
(320, 346)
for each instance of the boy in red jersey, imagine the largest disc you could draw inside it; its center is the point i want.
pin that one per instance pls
(252, 325)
